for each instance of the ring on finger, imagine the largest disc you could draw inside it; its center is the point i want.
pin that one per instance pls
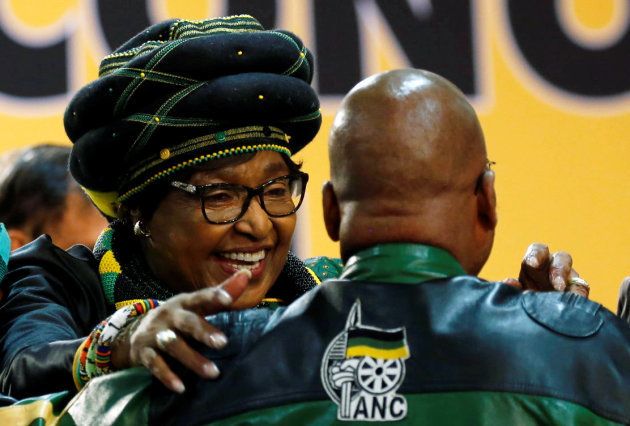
(579, 282)
(164, 338)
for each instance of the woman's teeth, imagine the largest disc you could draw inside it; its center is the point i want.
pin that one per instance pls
(253, 258)
(241, 266)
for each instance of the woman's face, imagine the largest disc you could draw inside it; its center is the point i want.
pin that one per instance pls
(188, 253)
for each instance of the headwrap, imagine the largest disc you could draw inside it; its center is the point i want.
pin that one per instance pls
(182, 93)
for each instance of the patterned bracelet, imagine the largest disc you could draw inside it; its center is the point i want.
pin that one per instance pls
(94, 355)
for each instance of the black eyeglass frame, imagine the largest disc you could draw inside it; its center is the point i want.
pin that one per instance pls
(251, 193)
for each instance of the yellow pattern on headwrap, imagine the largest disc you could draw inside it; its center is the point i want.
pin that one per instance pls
(104, 201)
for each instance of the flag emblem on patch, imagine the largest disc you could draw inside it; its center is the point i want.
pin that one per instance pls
(362, 369)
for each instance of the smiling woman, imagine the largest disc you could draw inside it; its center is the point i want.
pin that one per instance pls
(257, 240)
(184, 143)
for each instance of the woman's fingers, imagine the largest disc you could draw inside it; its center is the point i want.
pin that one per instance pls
(534, 273)
(197, 327)
(512, 282)
(578, 285)
(237, 283)
(160, 369)
(543, 271)
(178, 349)
(560, 270)
(161, 331)
(216, 299)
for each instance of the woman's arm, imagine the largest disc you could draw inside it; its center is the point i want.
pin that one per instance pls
(51, 300)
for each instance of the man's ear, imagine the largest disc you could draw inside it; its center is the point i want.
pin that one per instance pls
(487, 201)
(18, 238)
(332, 217)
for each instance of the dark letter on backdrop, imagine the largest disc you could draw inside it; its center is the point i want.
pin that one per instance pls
(263, 10)
(122, 19)
(562, 62)
(29, 71)
(337, 55)
(441, 42)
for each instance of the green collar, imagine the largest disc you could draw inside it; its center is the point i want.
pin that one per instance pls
(401, 263)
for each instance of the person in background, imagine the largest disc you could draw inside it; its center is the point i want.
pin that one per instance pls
(39, 196)
(408, 332)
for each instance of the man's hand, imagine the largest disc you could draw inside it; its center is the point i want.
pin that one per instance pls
(543, 271)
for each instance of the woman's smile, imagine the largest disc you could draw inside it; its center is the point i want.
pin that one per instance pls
(253, 261)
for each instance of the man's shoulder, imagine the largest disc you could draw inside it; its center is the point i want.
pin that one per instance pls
(242, 328)
(560, 313)
(476, 300)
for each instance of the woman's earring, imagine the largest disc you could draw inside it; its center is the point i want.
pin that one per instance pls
(137, 229)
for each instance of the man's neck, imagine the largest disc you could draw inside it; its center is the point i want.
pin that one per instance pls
(401, 263)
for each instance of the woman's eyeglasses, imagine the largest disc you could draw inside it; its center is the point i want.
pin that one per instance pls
(227, 203)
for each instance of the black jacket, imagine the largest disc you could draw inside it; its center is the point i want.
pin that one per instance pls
(478, 353)
(52, 299)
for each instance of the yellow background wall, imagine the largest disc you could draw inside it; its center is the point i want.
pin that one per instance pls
(562, 161)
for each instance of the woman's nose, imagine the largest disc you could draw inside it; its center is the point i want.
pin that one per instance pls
(255, 222)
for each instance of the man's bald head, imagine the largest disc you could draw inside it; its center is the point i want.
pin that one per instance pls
(406, 153)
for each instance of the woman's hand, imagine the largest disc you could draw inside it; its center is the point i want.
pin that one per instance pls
(160, 331)
(543, 271)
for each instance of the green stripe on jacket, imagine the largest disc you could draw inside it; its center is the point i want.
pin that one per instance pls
(444, 409)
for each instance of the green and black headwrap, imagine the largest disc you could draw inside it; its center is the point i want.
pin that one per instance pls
(182, 93)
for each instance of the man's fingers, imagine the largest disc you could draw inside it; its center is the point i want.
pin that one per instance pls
(158, 367)
(196, 326)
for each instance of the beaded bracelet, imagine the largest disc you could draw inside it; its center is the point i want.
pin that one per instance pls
(94, 355)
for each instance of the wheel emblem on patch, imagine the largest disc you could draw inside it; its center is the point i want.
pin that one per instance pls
(363, 367)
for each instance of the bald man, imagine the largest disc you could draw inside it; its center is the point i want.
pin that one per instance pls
(407, 333)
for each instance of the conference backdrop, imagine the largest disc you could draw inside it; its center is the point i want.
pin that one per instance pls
(549, 79)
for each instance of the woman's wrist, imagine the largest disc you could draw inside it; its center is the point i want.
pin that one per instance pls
(107, 348)
(121, 345)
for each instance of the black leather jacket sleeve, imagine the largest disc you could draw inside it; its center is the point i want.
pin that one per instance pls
(51, 300)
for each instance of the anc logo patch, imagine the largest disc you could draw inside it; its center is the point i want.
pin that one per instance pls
(363, 367)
